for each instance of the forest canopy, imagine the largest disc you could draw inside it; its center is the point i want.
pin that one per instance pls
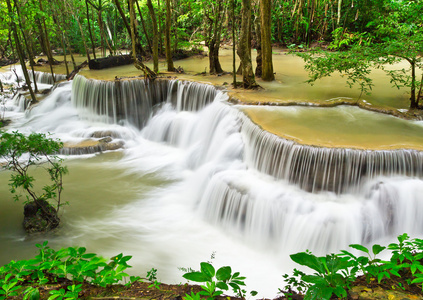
(364, 29)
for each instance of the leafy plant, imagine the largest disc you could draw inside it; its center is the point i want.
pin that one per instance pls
(368, 265)
(331, 277)
(72, 263)
(21, 153)
(216, 281)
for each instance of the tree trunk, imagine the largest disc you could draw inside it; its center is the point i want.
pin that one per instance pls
(244, 47)
(419, 95)
(214, 40)
(257, 27)
(150, 47)
(233, 45)
(136, 56)
(27, 45)
(20, 52)
(122, 15)
(47, 44)
(160, 28)
(89, 29)
(169, 60)
(266, 40)
(155, 36)
(413, 101)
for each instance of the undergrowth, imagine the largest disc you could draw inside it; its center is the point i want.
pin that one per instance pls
(334, 274)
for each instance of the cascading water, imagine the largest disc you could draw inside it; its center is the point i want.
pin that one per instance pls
(265, 197)
(133, 100)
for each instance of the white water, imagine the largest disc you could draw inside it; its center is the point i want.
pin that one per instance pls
(194, 186)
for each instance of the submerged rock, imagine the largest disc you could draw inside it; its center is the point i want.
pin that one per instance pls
(40, 216)
(90, 146)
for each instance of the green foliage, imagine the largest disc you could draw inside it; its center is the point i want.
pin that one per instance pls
(215, 281)
(152, 277)
(23, 152)
(331, 277)
(335, 273)
(396, 36)
(49, 265)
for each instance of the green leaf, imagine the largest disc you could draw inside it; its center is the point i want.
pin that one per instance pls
(308, 260)
(222, 285)
(224, 273)
(196, 276)
(359, 247)
(207, 269)
(377, 249)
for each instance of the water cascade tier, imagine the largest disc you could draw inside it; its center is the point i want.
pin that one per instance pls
(314, 169)
(133, 100)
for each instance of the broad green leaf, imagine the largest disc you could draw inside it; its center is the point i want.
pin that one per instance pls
(222, 285)
(359, 247)
(377, 249)
(308, 260)
(207, 269)
(224, 273)
(197, 277)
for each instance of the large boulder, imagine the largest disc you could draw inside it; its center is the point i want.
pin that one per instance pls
(39, 216)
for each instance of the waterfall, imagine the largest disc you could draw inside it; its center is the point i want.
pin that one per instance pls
(253, 187)
(46, 78)
(133, 100)
(324, 169)
(259, 186)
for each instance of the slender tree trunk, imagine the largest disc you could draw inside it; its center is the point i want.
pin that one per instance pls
(122, 15)
(244, 46)
(136, 56)
(160, 28)
(27, 45)
(168, 46)
(47, 42)
(155, 36)
(175, 26)
(62, 40)
(214, 41)
(413, 101)
(419, 95)
(266, 40)
(89, 29)
(233, 45)
(257, 27)
(150, 47)
(20, 52)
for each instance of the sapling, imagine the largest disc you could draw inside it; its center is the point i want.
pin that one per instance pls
(21, 153)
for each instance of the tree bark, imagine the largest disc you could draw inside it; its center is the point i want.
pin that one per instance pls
(257, 30)
(160, 28)
(413, 101)
(150, 47)
(266, 40)
(155, 36)
(136, 56)
(89, 29)
(168, 49)
(244, 47)
(44, 39)
(215, 23)
(233, 45)
(20, 52)
(27, 45)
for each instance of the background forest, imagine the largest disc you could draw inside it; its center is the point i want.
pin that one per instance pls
(373, 33)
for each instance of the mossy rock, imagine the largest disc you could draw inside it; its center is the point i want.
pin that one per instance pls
(40, 216)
